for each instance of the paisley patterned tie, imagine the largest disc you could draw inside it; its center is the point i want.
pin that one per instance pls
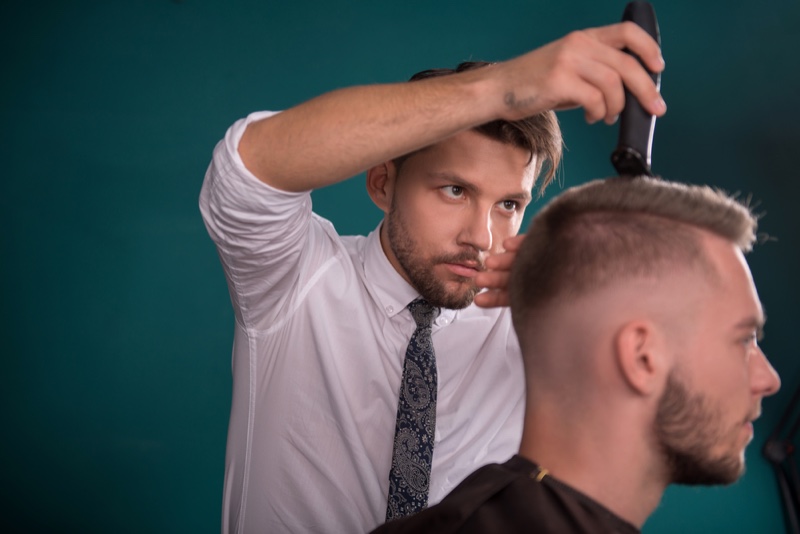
(410, 474)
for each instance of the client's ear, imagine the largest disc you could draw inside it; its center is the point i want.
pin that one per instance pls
(638, 348)
(380, 184)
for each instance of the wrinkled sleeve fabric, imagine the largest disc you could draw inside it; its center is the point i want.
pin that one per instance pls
(269, 241)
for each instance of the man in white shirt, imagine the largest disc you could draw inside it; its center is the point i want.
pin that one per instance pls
(322, 325)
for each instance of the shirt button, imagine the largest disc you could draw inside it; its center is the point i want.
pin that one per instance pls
(389, 309)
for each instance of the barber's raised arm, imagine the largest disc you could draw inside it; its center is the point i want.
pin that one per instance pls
(345, 132)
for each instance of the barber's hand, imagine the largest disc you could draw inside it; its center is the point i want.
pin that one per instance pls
(495, 277)
(585, 69)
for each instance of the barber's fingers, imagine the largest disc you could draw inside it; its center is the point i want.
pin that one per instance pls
(492, 298)
(604, 71)
(500, 262)
(603, 95)
(498, 271)
(495, 284)
(588, 69)
(512, 244)
(496, 276)
(627, 68)
(631, 36)
(492, 279)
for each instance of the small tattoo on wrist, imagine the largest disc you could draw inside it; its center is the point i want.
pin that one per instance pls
(511, 101)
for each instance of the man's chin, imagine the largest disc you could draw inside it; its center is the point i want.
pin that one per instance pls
(454, 296)
(709, 472)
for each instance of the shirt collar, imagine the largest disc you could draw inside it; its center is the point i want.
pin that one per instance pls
(391, 289)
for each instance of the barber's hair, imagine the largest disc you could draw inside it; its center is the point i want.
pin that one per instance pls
(539, 135)
(605, 231)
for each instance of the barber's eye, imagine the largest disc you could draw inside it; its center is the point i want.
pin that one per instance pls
(453, 191)
(510, 205)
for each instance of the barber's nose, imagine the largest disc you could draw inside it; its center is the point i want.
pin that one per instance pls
(766, 381)
(477, 231)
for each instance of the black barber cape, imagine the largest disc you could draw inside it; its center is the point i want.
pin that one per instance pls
(516, 496)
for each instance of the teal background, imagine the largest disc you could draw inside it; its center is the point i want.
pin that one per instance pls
(115, 323)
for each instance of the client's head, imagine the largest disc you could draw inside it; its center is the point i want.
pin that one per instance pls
(638, 290)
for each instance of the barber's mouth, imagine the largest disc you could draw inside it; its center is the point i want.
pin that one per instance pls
(465, 270)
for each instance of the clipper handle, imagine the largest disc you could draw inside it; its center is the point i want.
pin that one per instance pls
(636, 126)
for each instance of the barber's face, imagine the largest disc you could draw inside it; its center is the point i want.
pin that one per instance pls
(452, 205)
(705, 415)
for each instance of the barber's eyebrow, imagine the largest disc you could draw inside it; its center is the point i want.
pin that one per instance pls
(524, 196)
(454, 179)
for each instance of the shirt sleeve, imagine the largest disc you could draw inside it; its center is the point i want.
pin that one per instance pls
(268, 240)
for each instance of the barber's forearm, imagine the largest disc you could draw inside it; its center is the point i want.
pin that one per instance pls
(340, 134)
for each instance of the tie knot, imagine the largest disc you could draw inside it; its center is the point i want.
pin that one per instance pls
(423, 312)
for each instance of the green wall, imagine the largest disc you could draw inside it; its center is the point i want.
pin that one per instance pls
(115, 322)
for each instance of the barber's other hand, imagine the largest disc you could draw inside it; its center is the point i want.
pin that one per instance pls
(585, 69)
(495, 277)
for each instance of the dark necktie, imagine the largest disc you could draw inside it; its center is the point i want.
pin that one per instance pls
(412, 455)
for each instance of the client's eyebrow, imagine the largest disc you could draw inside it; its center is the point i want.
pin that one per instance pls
(753, 323)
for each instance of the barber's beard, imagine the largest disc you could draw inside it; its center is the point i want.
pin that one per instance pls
(688, 430)
(421, 272)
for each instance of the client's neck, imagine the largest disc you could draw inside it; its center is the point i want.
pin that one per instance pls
(597, 451)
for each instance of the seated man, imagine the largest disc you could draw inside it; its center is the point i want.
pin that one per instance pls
(638, 321)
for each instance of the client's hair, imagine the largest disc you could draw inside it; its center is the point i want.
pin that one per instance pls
(608, 230)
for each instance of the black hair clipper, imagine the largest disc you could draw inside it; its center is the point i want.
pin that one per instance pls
(636, 126)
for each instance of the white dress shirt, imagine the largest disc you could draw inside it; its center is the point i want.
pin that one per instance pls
(320, 337)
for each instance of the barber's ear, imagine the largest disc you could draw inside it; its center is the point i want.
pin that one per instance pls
(639, 352)
(380, 184)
